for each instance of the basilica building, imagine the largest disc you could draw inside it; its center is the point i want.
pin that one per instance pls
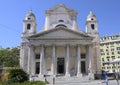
(60, 48)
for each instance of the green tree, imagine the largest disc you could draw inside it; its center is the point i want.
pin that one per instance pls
(9, 57)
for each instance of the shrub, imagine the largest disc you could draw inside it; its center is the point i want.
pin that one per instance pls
(3, 77)
(17, 75)
(25, 83)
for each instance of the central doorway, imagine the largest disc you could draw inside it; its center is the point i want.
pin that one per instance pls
(60, 65)
(83, 67)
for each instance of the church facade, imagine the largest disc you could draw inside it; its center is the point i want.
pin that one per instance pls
(61, 47)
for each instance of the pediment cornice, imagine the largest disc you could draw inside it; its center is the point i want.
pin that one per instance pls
(53, 10)
(67, 34)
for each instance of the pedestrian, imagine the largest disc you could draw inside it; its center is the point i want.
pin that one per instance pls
(106, 79)
(45, 78)
(53, 80)
(117, 78)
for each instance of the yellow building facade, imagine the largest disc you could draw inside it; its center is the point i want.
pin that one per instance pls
(110, 50)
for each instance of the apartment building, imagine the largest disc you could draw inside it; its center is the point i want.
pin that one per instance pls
(110, 50)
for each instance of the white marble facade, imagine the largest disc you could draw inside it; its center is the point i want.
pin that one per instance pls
(61, 47)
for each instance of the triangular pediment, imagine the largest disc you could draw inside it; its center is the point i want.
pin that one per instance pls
(60, 33)
(60, 8)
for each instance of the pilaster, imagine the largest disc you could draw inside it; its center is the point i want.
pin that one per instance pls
(90, 74)
(29, 59)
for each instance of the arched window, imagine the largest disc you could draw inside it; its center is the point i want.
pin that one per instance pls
(93, 26)
(28, 26)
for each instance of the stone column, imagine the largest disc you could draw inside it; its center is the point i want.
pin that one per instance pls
(89, 58)
(67, 74)
(79, 62)
(29, 59)
(22, 57)
(90, 74)
(53, 60)
(41, 60)
(33, 61)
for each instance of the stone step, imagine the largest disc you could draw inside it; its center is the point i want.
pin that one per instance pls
(64, 80)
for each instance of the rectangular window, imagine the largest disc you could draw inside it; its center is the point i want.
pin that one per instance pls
(108, 67)
(112, 53)
(28, 26)
(108, 59)
(107, 50)
(102, 53)
(103, 67)
(83, 56)
(113, 57)
(101, 50)
(112, 49)
(117, 43)
(102, 59)
(37, 56)
(118, 48)
(118, 52)
(101, 44)
(107, 53)
(118, 56)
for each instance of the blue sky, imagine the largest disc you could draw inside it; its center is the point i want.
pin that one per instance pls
(12, 13)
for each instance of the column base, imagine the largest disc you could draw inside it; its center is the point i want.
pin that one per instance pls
(31, 78)
(79, 75)
(41, 77)
(91, 76)
(67, 75)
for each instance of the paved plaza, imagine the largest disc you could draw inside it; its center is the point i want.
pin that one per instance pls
(95, 82)
(82, 81)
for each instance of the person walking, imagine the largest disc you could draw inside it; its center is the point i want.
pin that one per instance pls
(106, 79)
(117, 78)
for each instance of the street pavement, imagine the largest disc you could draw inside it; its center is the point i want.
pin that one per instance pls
(93, 82)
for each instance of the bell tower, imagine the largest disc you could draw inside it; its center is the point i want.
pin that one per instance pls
(29, 24)
(92, 30)
(91, 24)
(29, 28)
